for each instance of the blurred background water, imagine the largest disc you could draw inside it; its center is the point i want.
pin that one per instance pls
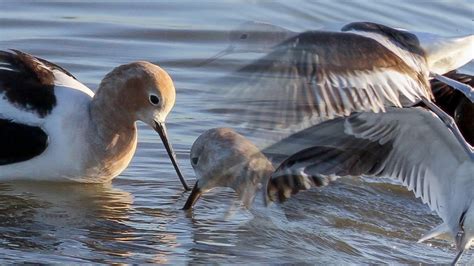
(137, 218)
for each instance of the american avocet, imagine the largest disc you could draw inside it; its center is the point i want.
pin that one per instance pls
(221, 157)
(411, 145)
(52, 127)
(320, 75)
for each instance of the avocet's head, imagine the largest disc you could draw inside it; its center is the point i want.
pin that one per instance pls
(145, 92)
(465, 237)
(221, 157)
(252, 37)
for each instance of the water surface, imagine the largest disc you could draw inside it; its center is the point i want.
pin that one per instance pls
(137, 218)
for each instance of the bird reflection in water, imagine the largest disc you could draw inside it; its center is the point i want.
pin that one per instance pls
(41, 216)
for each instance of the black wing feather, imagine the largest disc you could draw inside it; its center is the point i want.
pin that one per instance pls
(27, 82)
(20, 142)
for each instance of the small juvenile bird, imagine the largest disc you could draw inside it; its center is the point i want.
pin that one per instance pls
(221, 157)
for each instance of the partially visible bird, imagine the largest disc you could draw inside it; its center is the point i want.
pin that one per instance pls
(451, 101)
(411, 145)
(318, 75)
(252, 37)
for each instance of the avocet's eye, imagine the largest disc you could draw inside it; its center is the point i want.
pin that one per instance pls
(155, 100)
(194, 160)
(244, 36)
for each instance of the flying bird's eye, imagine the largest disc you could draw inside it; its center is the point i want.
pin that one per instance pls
(194, 160)
(154, 99)
(244, 36)
(457, 116)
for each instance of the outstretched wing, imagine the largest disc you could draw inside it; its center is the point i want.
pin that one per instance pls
(322, 75)
(411, 145)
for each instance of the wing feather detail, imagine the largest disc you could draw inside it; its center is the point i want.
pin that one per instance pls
(322, 74)
(411, 145)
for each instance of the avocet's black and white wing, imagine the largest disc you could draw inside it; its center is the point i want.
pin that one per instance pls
(28, 97)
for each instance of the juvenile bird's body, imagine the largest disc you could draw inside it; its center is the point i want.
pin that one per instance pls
(223, 158)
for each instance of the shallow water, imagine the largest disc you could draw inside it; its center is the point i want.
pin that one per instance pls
(137, 218)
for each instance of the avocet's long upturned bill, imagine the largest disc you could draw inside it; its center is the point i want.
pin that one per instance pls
(52, 127)
(322, 74)
(411, 145)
